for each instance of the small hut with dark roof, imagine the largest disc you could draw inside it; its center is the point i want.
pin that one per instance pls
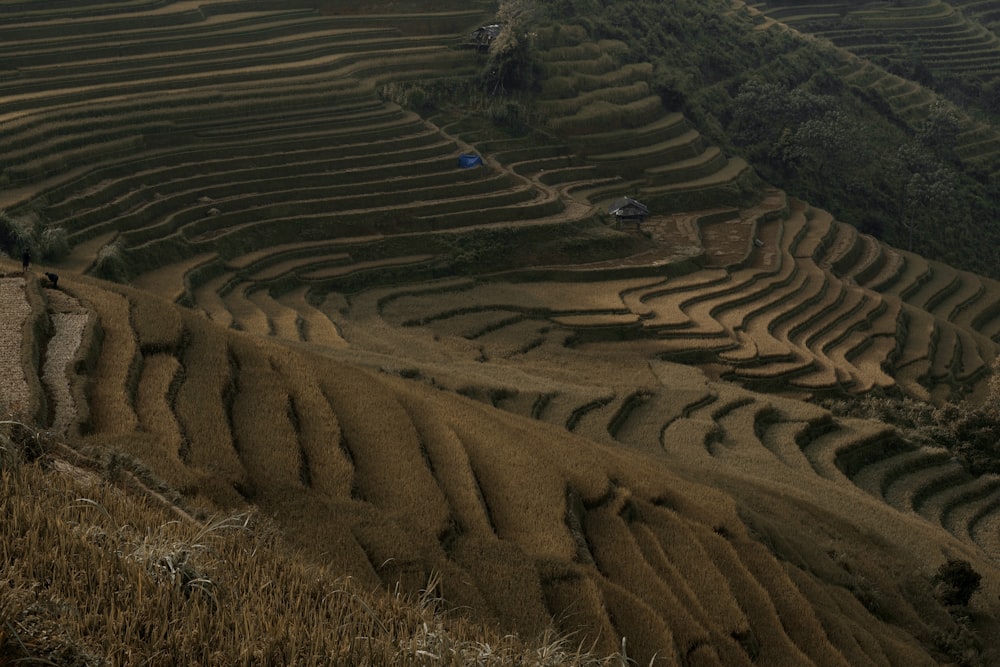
(627, 209)
(483, 36)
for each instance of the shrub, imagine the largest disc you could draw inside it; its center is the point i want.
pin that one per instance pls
(54, 243)
(26, 231)
(418, 98)
(17, 234)
(110, 263)
(955, 582)
(971, 433)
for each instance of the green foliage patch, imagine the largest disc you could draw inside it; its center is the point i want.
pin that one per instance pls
(789, 106)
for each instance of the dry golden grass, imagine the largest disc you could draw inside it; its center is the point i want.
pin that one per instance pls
(95, 575)
(618, 557)
(111, 389)
(157, 325)
(210, 302)
(263, 432)
(284, 321)
(838, 610)
(765, 625)
(152, 403)
(452, 469)
(159, 442)
(687, 598)
(315, 326)
(320, 437)
(390, 464)
(677, 546)
(650, 633)
(202, 409)
(794, 611)
(246, 316)
(524, 497)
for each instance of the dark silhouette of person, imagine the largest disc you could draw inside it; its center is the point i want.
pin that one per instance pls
(26, 260)
(53, 278)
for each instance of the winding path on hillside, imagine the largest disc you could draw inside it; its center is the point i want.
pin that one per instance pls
(69, 319)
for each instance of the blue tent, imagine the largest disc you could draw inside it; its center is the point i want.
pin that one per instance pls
(469, 160)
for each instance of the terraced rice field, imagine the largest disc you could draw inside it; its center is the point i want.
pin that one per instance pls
(950, 39)
(596, 512)
(817, 308)
(221, 149)
(262, 119)
(613, 121)
(260, 180)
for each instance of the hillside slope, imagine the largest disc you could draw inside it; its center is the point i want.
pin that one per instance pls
(431, 375)
(742, 530)
(782, 299)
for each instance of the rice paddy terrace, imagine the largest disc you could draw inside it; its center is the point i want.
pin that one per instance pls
(956, 39)
(224, 149)
(705, 523)
(592, 431)
(778, 297)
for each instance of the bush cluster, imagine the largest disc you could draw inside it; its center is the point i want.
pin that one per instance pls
(956, 581)
(26, 231)
(970, 432)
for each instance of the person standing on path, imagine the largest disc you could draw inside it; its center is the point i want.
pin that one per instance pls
(26, 260)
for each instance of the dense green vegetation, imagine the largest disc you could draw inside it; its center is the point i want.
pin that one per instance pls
(948, 46)
(779, 100)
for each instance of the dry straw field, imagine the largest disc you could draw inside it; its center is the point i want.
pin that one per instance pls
(450, 416)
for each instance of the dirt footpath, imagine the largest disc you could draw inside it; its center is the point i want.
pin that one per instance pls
(69, 319)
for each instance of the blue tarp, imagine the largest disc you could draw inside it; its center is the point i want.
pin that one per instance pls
(469, 160)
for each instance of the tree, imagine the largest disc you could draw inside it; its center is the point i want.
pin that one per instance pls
(929, 199)
(824, 143)
(939, 130)
(511, 64)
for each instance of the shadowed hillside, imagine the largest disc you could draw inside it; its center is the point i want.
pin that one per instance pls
(950, 46)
